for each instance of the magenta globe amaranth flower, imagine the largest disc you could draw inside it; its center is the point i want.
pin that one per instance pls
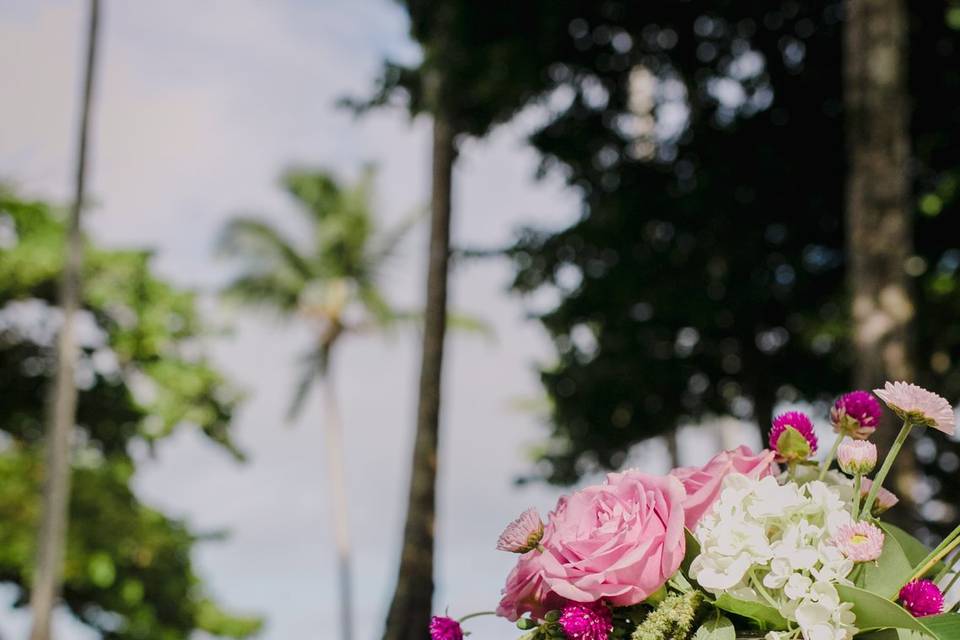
(443, 628)
(856, 414)
(592, 621)
(792, 437)
(523, 534)
(922, 598)
(857, 457)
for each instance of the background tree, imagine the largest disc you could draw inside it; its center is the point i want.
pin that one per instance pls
(331, 282)
(464, 85)
(705, 140)
(141, 376)
(879, 221)
(63, 400)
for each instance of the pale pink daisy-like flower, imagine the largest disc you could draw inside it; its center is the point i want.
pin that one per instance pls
(885, 499)
(857, 457)
(860, 541)
(919, 406)
(523, 534)
(922, 598)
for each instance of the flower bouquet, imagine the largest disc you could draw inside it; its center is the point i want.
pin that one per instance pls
(752, 544)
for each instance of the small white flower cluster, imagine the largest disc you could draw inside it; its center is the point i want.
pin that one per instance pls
(771, 543)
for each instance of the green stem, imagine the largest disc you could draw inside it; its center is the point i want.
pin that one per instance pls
(933, 557)
(825, 466)
(953, 580)
(937, 557)
(947, 566)
(885, 469)
(476, 615)
(763, 592)
(857, 481)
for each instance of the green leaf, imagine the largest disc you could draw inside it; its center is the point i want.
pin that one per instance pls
(945, 626)
(875, 612)
(717, 627)
(692, 551)
(765, 616)
(915, 550)
(793, 445)
(890, 572)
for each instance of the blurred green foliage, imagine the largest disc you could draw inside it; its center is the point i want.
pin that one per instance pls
(141, 376)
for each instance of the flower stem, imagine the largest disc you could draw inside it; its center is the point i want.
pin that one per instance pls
(949, 543)
(937, 556)
(885, 469)
(825, 466)
(956, 576)
(476, 615)
(857, 481)
(763, 592)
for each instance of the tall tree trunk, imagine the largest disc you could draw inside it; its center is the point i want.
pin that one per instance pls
(409, 614)
(333, 428)
(52, 539)
(672, 440)
(878, 211)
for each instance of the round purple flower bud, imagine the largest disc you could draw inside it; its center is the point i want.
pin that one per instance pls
(443, 628)
(921, 598)
(856, 414)
(592, 621)
(792, 437)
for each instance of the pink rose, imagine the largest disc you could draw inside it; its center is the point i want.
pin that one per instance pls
(703, 484)
(526, 591)
(618, 542)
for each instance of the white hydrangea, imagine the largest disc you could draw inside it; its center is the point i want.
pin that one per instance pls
(771, 543)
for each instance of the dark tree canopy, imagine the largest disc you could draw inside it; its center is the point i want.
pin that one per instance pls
(706, 274)
(141, 375)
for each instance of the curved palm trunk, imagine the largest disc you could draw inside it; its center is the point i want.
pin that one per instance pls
(333, 430)
(409, 614)
(63, 405)
(878, 211)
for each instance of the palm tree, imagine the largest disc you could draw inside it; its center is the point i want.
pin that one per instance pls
(330, 282)
(52, 538)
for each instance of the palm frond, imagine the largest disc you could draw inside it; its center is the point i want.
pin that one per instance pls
(256, 240)
(268, 290)
(314, 368)
(317, 192)
(386, 244)
(378, 307)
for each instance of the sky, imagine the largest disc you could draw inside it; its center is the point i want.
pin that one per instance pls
(200, 106)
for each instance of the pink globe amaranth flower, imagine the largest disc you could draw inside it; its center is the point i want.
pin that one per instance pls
(860, 541)
(922, 598)
(618, 542)
(523, 534)
(856, 414)
(857, 457)
(885, 499)
(788, 447)
(443, 628)
(592, 621)
(703, 484)
(919, 406)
